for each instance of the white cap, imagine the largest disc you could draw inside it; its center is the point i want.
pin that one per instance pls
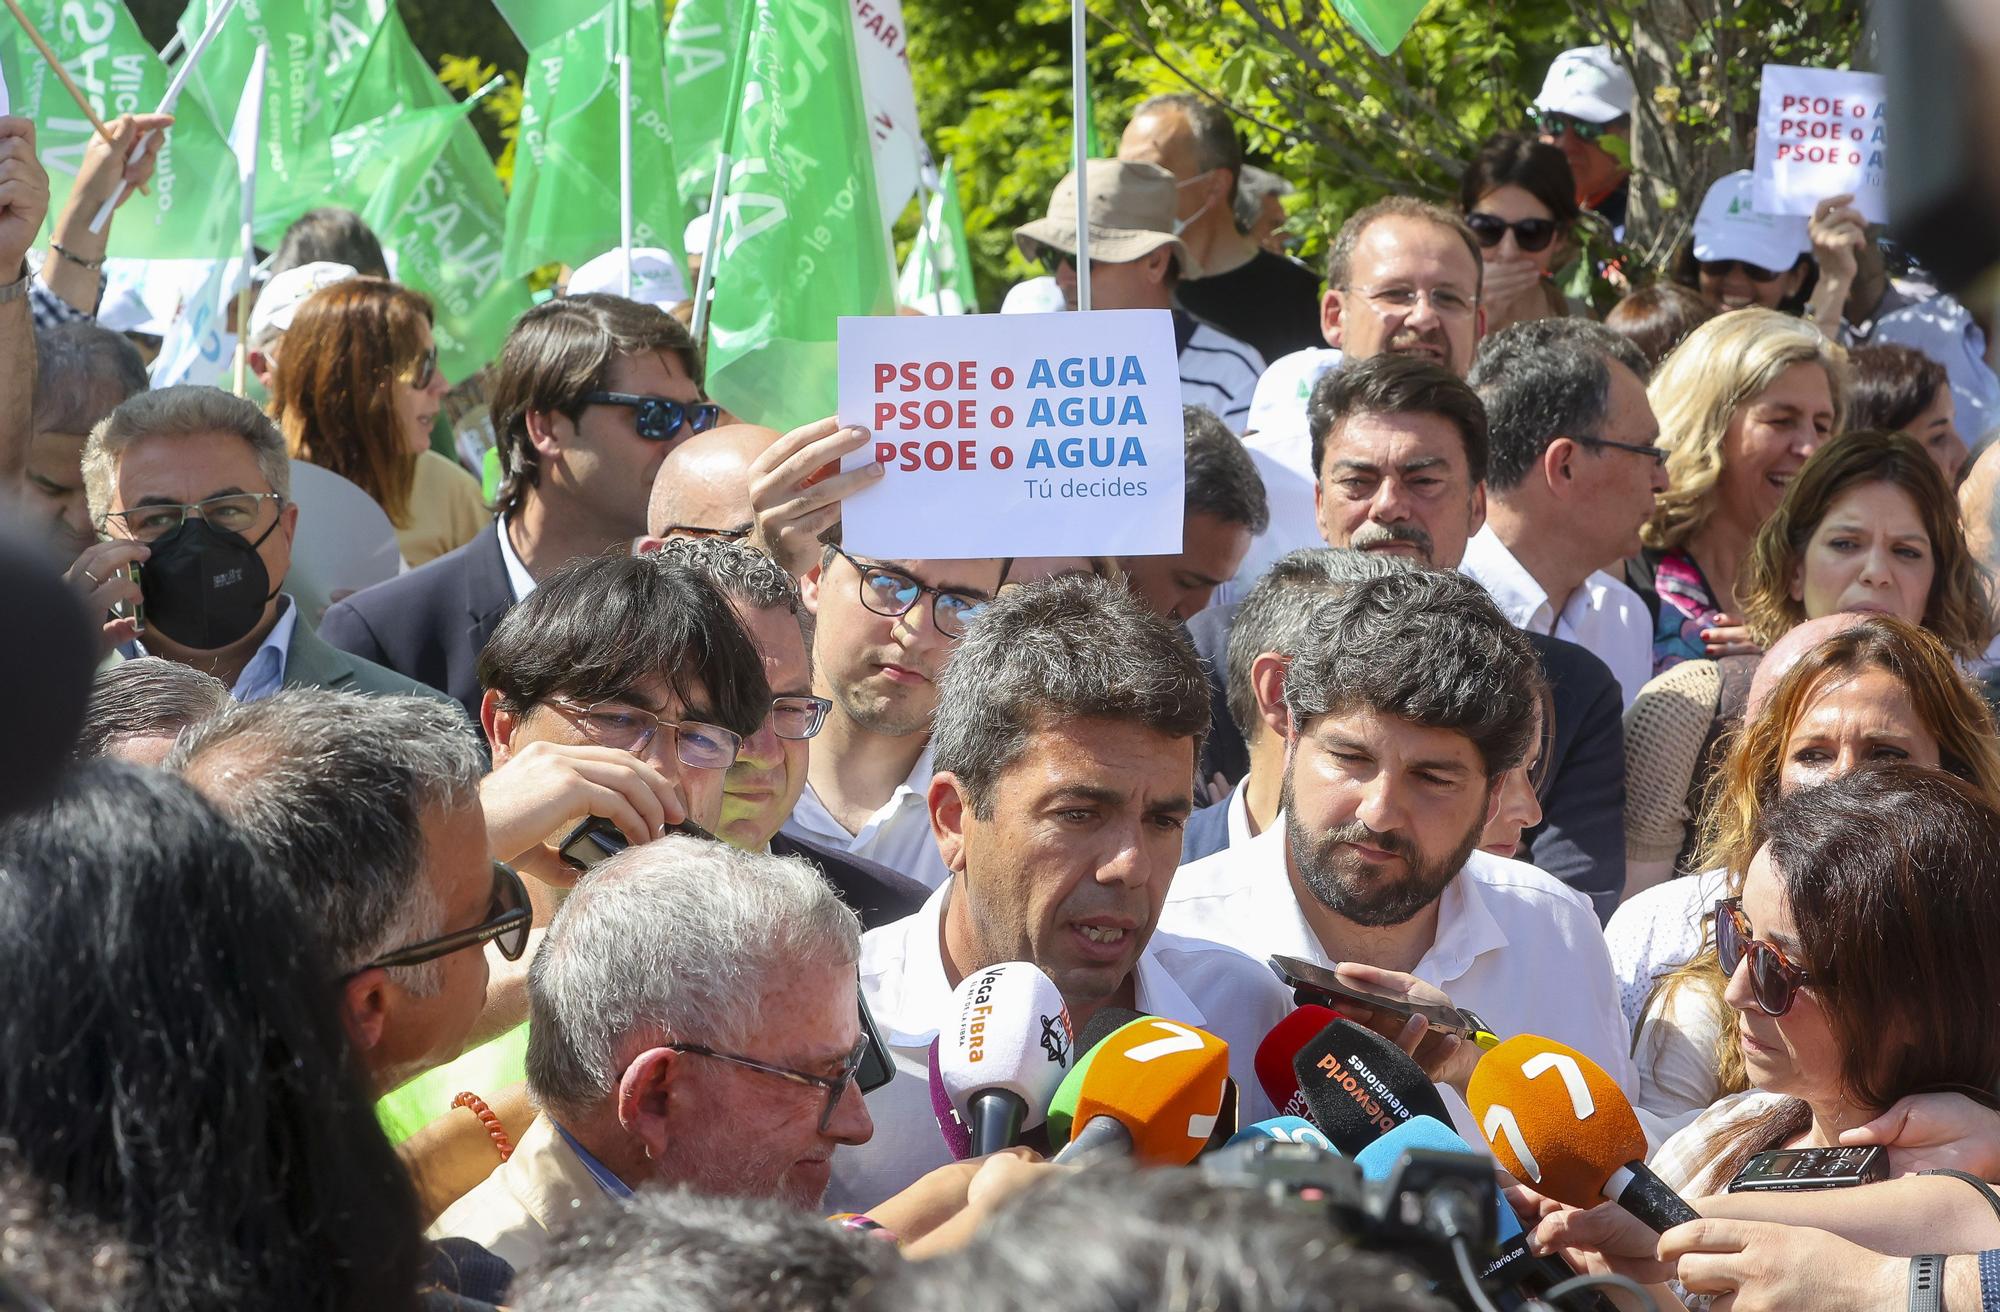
(656, 279)
(1728, 227)
(1037, 295)
(1586, 83)
(283, 295)
(695, 239)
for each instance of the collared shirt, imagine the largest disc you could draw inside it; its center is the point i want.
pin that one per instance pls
(903, 978)
(898, 835)
(1603, 616)
(519, 581)
(1514, 944)
(264, 674)
(1237, 813)
(599, 1172)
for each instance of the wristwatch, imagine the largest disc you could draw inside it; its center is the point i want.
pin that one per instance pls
(1927, 1283)
(18, 288)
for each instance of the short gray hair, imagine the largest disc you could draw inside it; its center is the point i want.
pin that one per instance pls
(679, 937)
(1544, 379)
(147, 698)
(1215, 141)
(1069, 647)
(1222, 479)
(83, 371)
(740, 573)
(173, 412)
(1275, 615)
(331, 789)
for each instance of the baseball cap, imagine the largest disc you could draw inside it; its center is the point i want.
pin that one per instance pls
(656, 279)
(1131, 211)
(1728, 227)
(283, 295)
(1586, 83)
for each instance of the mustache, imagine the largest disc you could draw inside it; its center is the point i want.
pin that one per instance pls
(1355, 832)
(1373, 534)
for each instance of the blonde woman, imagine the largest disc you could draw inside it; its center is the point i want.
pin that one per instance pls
(1742, 404)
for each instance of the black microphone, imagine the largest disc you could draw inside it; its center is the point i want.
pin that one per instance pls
(1358, 1086)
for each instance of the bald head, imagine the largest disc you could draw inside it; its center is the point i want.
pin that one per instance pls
(704, 483)
(1785, 653)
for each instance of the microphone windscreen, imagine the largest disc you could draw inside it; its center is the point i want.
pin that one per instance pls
(1554, 1118)
(1275, 1053)
(48, 665)
(1009, 1031)
(1164, 1082)
(1378, 1160)
(1360, 1086)
(1104, 1023)
(957, 1136)
(1062, 1105)
(1284, 1129)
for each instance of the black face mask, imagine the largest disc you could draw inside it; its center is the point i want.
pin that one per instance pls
(205, 588)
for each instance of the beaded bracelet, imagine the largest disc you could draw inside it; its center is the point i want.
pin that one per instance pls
(77, 260)
(494, 1130)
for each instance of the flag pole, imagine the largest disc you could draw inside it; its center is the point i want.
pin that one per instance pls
(1080, 100)
(724, 161)
(625, 136)
(167, 103)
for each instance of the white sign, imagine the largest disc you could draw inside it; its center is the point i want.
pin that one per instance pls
(1820, 133)
(1017, 435)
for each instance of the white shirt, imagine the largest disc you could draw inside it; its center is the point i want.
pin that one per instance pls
(1237, 813)
(1281, 447)
(1603, 616)
(519, 581)
(903, 978)
(898, 835)
(1516, 945)
(1649, 935)
(1658, 929)
(1219, 372)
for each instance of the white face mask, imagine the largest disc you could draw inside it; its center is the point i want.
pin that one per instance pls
(1181, 225)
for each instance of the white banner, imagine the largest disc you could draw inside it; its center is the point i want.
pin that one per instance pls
(1821, 132)
(882, 51)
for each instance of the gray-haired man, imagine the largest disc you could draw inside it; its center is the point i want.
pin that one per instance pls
(369, 808)
(1065, 736)
(694, 1022)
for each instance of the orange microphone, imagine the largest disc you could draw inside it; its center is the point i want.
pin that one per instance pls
(1558, 1122)
(1153, 1092)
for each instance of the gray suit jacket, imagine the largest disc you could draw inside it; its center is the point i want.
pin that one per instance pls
(312, 663)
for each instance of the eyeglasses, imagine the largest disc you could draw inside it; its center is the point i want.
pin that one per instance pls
(506, 926)
(798, 718)
(892, 593)
(235, 512)
(629, 729)
(659, 418)
(1554, 125)
(1774, 979)
(1754, 272)
(420, 374)
(1529, 234)
(835, 1085)
(1445, 302)
(1652, 453)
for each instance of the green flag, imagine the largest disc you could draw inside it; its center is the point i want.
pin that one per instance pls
(1382, 23)
(447, 232)
(564, 205)
(297, 163)
(378, 165)
(701, 42)
(799, 241)
(937, 277)
(191, 212)
(538, 22)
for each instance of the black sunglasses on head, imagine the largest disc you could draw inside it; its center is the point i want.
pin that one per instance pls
(1529, 234)
(659, 418)
(508, 919)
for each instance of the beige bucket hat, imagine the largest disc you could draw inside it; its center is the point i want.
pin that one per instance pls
(1131, 214)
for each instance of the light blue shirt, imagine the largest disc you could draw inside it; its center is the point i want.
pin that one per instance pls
(265, 674)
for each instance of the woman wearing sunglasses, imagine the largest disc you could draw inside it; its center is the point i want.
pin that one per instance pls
(1741, 258)
(356, 390)
(1520, 202)
(1882, 690)
(1856, 965)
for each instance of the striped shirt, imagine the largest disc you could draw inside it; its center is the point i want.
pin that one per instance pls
(1217, 371)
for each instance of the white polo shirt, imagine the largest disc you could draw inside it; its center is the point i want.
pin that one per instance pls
(1603, 616)
(1516, 945)
(898, 835)
(902, 975)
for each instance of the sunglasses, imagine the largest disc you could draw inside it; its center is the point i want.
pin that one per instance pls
(1754, 272)
(1040, 252)
(1774, 980)
(508, 918)
(1529, 234)
(658, 418)
(1554, 125)
(424, 370)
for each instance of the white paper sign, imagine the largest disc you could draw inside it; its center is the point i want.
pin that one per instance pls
(1821, 132)
(1017, 435)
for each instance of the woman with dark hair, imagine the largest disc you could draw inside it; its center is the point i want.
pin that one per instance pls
(1520, 201)
(1905, 391)
(356, 390)
(174, 1066)
(1656, 319)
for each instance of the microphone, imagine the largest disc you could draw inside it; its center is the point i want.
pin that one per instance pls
(1359, 1086)
(1005, 1054)
(956, 1137)
(1557, 1121)
(1275, 1053)
(1153, 1092)
(1284, 1129)
(1062, 1106)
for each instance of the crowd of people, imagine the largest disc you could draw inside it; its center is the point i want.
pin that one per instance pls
(579, 912)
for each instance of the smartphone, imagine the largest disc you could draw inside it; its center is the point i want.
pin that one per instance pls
(596, 838)
(876, 1068)
(136, 611)
(1787, 1170)
(1322, 985)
